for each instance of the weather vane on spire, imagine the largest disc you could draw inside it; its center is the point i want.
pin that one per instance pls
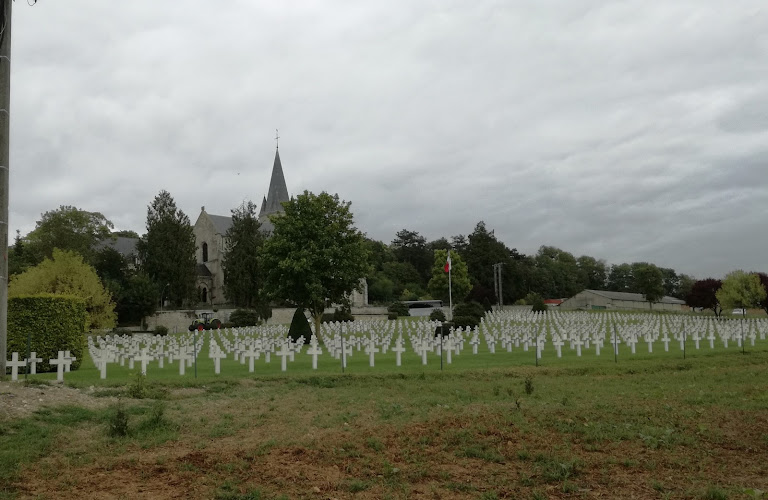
(277, 140)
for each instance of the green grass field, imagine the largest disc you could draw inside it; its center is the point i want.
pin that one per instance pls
(487, 426)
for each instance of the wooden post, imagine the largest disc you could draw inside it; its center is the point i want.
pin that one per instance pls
(5, 101)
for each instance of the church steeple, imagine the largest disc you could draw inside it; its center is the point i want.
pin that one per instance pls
(278, 192)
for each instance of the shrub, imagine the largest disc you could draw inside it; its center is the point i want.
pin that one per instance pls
(244, 317)
(122, 331)
(138, 389)
(342, 315)
(117, 421)
(529, 385)
(474, 309)
(161, 330)
(392, 315)
(537, 303)
(465, 321)
(399, 308)
(54, 323)
(437, 315)
(300, 326)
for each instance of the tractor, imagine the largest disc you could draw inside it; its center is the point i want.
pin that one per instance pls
(207, 321)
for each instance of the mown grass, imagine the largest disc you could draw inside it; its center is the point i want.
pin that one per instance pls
(583, 424)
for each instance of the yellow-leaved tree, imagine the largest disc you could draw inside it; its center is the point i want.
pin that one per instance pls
(67, 274)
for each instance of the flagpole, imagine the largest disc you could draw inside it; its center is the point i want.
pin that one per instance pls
(450, 296)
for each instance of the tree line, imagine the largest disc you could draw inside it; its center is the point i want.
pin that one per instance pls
(316, 255)
(403, 269)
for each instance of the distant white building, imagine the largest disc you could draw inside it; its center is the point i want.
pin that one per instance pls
(601, 299)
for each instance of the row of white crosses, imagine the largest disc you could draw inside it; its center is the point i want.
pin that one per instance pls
(511, 329)
(118, 349)
(15, 363)
(63, 363)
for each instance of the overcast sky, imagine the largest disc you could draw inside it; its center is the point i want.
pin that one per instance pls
(625, 130)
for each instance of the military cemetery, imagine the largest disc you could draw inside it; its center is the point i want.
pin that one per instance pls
(509, 250)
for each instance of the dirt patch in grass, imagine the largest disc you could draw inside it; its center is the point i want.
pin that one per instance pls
(344, 464)
(19, 399)
(372, 438)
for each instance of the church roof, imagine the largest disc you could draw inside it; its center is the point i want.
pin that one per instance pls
(124, 246)
(278, 191)
(221, 223)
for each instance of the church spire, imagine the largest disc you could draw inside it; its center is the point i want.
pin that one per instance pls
(278, 192)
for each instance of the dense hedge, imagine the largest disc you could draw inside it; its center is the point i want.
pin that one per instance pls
(244, 317)
(399, 308)
(55, 323)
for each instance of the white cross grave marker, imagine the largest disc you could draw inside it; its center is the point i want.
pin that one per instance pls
(144, 359)
(314, 351)
(398, 350)
(284, 353)
(33, 361)
(217, 356)
(15, 364)
(59, 364)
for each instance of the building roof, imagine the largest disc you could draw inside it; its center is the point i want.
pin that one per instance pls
(124, 246)
(278, 191)
(633, 297)
(221, 223)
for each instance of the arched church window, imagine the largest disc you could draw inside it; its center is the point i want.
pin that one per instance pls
(205, 253)
(205, 295)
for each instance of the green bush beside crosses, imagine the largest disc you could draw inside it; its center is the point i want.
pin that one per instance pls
(52, 322)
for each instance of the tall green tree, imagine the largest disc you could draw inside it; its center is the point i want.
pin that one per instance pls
(620, 278)
(68, 228)
(167, 250)
(593, 272)
(764, 281)
(685, 286)
(243, 273)
(65, 273)
(557, 273)
(482, 252)
(741, 290)
(460, 284)
(315, 254)
(20, 257)
(649, 281)
(670, 281)
(411, 247)
(138, 298)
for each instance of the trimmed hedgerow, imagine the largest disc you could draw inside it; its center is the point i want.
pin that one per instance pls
(54, 323)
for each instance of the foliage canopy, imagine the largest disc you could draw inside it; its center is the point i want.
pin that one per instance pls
(67, 274)
(167, 251)
(315, 253)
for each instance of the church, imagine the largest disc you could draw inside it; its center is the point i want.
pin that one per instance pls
(210, 237)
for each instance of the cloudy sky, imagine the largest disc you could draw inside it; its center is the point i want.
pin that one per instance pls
(625, 130)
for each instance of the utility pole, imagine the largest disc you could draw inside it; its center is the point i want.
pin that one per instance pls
(501, 292)
(497, 284)
(5, 122)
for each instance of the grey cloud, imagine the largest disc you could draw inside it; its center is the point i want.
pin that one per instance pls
(626, 130)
